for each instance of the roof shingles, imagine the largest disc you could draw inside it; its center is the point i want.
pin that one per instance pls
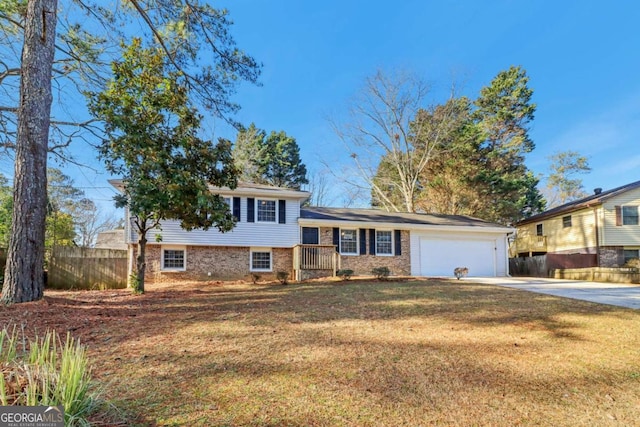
(375, 215)
(592, 200)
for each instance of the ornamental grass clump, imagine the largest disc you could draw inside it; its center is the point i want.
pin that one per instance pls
(47, 372)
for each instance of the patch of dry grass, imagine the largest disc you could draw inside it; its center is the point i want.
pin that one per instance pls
(415, 353)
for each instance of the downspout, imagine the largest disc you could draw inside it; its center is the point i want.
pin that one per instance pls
(595, 214)
(506, 238)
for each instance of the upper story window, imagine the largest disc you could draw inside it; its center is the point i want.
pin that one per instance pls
(384, 242)
(566, 221)
(539, 230)
(349, 241)
(629, 215)
(266, 210)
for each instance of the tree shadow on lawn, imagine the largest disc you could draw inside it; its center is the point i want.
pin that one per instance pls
(207, 333)
(427, 376)
(117, 317)
(120, 317)
(470, 304)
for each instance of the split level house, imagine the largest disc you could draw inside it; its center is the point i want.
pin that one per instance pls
(604, 225)
(276, 233)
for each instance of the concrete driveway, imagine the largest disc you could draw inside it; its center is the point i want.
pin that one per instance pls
(604, 293)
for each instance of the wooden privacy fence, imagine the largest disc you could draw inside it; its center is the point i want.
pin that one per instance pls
(544, 265)
(87, 268)
(535, 266)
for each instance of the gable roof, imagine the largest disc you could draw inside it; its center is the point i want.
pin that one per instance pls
(586, 202)
(362, 217)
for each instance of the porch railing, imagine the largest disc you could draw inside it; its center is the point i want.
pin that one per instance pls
(529, 244)
(315, 257)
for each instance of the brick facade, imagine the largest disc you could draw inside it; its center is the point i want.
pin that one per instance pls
(611, 256)
(232, 263)
(216, 263)
(400, 265)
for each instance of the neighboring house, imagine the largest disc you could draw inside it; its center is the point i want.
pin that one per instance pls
(274, 233)
(111, 239)
(605, 225)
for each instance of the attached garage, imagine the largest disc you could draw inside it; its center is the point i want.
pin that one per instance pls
(438, 253)
(419, 244)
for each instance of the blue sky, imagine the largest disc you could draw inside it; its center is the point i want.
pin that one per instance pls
(582, 57)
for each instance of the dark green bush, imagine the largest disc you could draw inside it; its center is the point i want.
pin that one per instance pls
(345, 273)
(282, 276)
(381, 273)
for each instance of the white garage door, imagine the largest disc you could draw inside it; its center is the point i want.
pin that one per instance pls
(439, 257)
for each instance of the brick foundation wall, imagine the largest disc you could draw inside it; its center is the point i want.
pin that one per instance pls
(315, 274)
(611, 256)
(363, 264)
(223, 262)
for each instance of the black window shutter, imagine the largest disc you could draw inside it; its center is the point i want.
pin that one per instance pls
(282, 211)
(372, 241)
(363, 241)
(398, 242)
(618, 216)
(236, 208)
(251, 209)
(336, 238)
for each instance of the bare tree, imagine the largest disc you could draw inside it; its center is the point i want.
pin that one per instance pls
(90, 222)
(561, 188)
(319, 187)
(382, 126)
(78, 64)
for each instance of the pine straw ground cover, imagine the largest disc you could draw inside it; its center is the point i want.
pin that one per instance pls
(354, 353)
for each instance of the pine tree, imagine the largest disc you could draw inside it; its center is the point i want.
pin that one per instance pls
(271, 160)
(503, 113)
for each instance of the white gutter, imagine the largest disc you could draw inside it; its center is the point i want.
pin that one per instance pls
(242, 191)
(310, 222)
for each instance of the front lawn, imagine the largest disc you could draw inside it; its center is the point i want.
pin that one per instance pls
(416, 353)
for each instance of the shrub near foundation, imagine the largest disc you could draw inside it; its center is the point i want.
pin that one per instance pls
(345, 274)
(381, 273)
(283, 277)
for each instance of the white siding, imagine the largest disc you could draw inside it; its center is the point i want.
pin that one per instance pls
(245, 233)
(130, 235)
(623, 235)
(495, 242)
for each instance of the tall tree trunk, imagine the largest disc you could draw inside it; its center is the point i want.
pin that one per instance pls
(141, 264)
(24, 276)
